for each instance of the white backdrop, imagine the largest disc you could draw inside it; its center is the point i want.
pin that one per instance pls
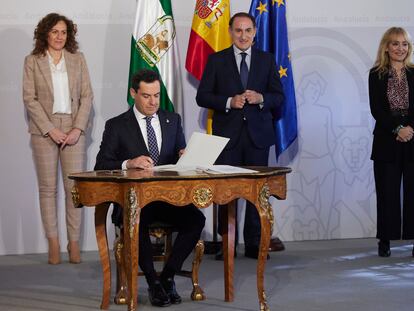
(333, 43)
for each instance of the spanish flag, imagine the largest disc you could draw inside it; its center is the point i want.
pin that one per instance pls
(209, 34)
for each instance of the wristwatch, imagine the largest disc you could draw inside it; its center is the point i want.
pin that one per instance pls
(397, 129)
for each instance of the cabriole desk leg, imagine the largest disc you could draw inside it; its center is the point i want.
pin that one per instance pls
(101, 211)
(131, 214)
(228, 251)
(266, 219)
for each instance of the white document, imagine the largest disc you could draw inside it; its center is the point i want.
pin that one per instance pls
(202, 150)
(200, 154)
(224, 169)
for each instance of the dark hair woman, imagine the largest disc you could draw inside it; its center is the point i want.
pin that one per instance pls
(58, 97)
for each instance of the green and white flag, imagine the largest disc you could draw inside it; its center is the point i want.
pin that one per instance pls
(153, 46)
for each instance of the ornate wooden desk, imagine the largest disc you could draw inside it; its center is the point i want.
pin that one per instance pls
(133, 189)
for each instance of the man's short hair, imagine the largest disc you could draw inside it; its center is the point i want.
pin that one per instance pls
(242, 14)
(144, 75)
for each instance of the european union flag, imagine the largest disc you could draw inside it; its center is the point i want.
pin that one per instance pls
(271, 36)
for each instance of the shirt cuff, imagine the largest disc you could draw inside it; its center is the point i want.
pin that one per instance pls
(124, 167)
(228, 104)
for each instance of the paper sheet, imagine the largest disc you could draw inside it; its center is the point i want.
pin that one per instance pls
(202, 150)
(201, 153)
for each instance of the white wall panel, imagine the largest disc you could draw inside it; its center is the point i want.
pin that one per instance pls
(333, 44)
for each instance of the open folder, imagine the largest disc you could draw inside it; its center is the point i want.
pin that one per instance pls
(200, 154)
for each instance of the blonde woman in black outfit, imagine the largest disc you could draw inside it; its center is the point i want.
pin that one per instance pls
(391, 95)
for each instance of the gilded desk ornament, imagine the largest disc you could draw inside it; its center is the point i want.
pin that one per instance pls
(265, 206)
(121, 295)
(203, 196)
(118, 249)
(75, 197)
(197, 294)
(264, 307)
(132, 206)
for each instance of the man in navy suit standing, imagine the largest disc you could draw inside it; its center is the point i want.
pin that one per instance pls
(141, 138)
(242, 86)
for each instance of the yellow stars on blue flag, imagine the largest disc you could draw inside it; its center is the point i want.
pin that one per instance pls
(272, 36)
(262, 8)
(279, 2)
(282, 72)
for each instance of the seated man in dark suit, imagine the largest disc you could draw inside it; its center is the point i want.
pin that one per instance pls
(141, 138)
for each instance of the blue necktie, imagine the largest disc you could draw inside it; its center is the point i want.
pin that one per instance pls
(244, 71)
(152, 141)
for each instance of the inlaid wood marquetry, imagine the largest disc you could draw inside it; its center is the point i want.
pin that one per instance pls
(133, 189)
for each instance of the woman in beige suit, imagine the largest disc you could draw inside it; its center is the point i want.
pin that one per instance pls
(58, 97)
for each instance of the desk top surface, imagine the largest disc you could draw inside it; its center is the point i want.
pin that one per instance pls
(150, 175)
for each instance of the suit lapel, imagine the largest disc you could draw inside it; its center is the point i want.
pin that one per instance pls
(43, 62)
(410, 78)
(134, 131)
(231, 59)
(253, 70)
(164, 122)
(71, 69)
(383, 81)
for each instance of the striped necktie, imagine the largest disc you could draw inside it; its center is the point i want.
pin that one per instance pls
(244, 71)
(152, 141)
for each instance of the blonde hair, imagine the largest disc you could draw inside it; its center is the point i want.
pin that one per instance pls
(382, 63)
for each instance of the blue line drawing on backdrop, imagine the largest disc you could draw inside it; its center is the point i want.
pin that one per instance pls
(331, 187)
(354, 186)
(315, 167)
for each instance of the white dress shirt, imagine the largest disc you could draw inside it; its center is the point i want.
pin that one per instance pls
(142, 122)
(248, 59)
(238, 57)
(60, 81)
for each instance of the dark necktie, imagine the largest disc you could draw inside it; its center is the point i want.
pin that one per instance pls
(244, 71)
(152, 141)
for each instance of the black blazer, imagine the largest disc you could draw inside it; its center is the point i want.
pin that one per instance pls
(221, 80)
(122, 140)
(385, 143)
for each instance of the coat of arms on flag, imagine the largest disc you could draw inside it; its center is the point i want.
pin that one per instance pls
(153, 46)
(156, 42)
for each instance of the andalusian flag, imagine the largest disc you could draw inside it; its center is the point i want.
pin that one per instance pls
(209, 34)
(154, 47)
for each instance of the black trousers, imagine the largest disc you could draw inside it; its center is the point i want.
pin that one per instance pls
(189, 222)
(391, 223)
(244, 153)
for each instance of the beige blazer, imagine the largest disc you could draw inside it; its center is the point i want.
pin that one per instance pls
(38, 91)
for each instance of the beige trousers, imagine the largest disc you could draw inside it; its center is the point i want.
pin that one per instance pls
(72, 159)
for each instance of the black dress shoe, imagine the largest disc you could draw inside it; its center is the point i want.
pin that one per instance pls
(157, 295)
(276, 245)
(384, 248)
(220, 256)
(169, 287)
(252, 252)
